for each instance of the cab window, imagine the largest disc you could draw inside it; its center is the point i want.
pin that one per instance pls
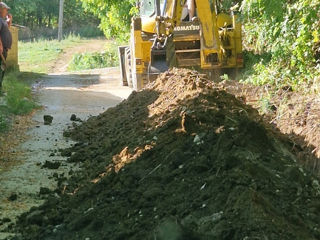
(147, 7)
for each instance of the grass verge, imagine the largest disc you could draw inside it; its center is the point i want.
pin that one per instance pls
(37, 56)
(3, 121)
(18, 95)
(17, 100)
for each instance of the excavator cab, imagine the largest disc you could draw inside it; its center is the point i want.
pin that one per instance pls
(162, 37)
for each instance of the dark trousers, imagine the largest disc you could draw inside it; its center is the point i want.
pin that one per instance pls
(2, 72)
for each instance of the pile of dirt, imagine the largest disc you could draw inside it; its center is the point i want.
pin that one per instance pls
(295, 114)
(181, 159)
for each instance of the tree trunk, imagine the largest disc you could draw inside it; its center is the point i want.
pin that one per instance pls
(60, 31)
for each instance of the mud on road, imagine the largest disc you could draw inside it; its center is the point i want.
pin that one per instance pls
(182, 159)
(40, 163)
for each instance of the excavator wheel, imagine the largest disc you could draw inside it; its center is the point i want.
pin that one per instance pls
(124, 81)
(128, 68)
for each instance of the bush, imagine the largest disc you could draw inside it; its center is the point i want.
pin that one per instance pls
(84, 61)
(115, 16)
(288, 31)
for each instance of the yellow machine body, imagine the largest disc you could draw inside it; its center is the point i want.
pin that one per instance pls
(211, 42)
(12, 59)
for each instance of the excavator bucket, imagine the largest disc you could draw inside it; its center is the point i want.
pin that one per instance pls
(163, 57)
(158, 63)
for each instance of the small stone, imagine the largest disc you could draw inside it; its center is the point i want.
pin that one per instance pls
(44, 191)
(47, 119)
(73, 117)
(51, 165)
(13, 197)
(65, 152)
(197, 140)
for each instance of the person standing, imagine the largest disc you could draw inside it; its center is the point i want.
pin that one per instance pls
(188, 11)
(191, 9)
(5, 37)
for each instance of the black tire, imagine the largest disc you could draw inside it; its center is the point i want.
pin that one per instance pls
(122, 66)
(127, 59)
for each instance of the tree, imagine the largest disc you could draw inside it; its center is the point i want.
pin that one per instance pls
(41, 16)
(115, 15)
(34, 13)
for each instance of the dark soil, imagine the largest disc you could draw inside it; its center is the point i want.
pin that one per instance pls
(51, 165)
(74, 118)
(184, 160)
(295, 114)
(13, 197)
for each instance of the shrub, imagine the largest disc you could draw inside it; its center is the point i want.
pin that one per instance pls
(288, 31)
(84, 61)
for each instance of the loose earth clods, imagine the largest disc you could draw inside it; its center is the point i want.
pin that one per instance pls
(181, 159)
(47, 119)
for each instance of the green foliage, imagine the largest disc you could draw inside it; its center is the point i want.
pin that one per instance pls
(3, 122)
(115, 15)
(287, 31)
(265, 105)
(18, 95)
(34, 13)
(84, 61)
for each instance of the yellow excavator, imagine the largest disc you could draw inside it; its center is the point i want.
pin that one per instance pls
(166, 34)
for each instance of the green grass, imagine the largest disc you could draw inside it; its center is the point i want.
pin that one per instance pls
(37, 56)
(18, 95)
(4, 125)
(84, 61)
(17, 100)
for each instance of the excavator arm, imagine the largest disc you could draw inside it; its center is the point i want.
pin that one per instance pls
(162, 53)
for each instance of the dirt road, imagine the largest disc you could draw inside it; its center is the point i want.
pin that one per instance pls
(94, 45)
(83, 94)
